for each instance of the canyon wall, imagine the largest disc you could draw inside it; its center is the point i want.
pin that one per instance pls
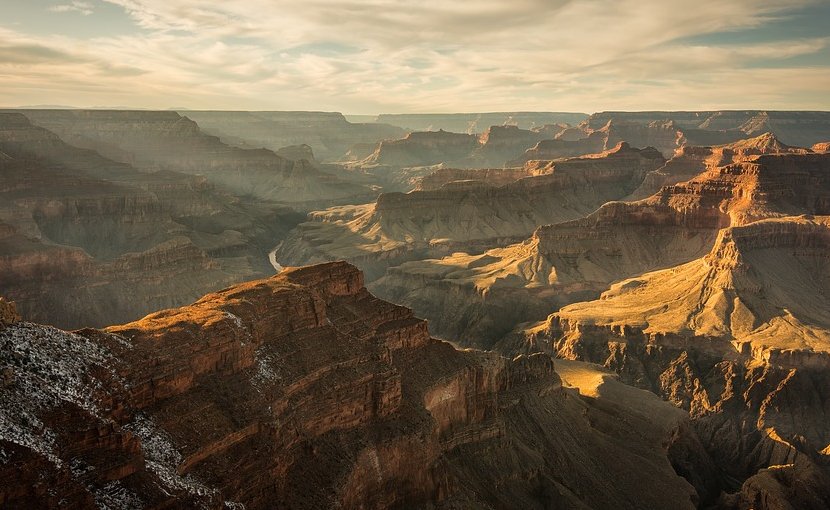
(305, 391)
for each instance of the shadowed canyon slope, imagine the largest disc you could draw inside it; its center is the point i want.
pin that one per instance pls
(329, 134)
(634, 310)
(463, 213)
(740, 338)
(342, 399)
(85, 240)
(472, 298)
(152, 140)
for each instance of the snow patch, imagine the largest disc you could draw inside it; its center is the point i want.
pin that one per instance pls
(163, 459)
(115, 496)
(46, 367)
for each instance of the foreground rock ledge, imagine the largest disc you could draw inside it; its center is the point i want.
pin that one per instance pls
(305, 391)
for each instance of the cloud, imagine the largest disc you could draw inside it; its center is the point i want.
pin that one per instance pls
(81, 7)
(432, 55)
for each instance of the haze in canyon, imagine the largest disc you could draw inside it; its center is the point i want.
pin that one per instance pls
(384, 255)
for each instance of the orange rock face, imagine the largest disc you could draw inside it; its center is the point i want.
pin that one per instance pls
(304, 391)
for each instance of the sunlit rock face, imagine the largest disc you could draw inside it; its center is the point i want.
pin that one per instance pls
(464, 215)
(477, 298)
(801, 129)
(305, 391)
(740, 338)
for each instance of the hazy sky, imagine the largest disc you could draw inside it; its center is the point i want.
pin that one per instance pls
(369, 56)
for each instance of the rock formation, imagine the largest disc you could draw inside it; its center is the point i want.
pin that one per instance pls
(152, 140)
(305, 391)
(801, 129)
(740, 338)
(463, 214)
(85, 240)
(476, 298)
(422, 148)
(692, 160)
(329, 134)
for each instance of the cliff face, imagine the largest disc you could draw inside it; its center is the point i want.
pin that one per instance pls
(329, 134)
(153, 140)
(85, 240)
(466, 215)
(477, 298)
(305, 391)
(740, 338)
(801, 129)
(422, 148)
(692, 160)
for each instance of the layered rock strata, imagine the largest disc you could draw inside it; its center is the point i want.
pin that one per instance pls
(464, 214)
(305, 391)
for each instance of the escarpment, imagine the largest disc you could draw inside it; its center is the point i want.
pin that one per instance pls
(477, 298)
(305, 391)
(466, 215)
(692, 160)
(329, 134)
(739, 337)
(85, 240)
(424, 148)
(801, 129)
(165, 140)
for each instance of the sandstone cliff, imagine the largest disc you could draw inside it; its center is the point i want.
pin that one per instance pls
(740, 338)
(305, 391)
(692, 160)
(801, 129)
(421, 224)
(476, 298)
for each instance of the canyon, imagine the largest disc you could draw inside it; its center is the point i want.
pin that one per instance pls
(496, 310)
(343, 399)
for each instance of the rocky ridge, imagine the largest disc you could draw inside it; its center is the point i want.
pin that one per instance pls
(344, 400)
(85, 240)
(420, 224)
(152, 140)
(476, 298)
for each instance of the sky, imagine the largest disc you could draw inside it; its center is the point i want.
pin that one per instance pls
(393, 56)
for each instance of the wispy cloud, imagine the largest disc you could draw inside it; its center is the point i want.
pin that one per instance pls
(81, 7)
(432, 55)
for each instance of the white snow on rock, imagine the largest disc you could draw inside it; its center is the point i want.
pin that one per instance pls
(162, 457)
(44, 367)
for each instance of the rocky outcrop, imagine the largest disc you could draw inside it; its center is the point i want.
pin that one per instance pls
(692, 160)
(478, 298)
(8, 313)
(165, 140)
(559, 148)
(85, 240)
(465, 215)
(740, 338)
(297, 152)
(422, 148)
(801, 129)
(329, 134)
(821, 147)
(305, 391)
